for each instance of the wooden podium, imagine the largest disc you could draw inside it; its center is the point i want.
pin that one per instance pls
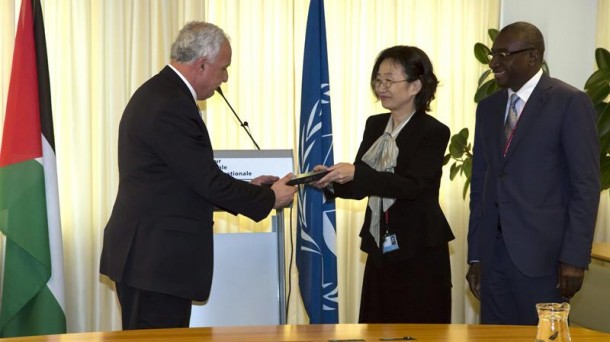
(248, 287)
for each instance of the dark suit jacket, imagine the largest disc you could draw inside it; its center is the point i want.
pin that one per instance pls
(416, 216)
(545, 192)
(159, 236)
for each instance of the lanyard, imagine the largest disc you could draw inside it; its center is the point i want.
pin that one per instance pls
(387, 220)
(510, 138)
(385, 216)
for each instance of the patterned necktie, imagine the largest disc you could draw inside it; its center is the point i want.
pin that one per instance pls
(512, 117)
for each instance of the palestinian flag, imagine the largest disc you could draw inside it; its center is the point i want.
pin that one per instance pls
(32, 289)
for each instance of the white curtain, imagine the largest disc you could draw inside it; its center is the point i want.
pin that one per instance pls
(100, 51)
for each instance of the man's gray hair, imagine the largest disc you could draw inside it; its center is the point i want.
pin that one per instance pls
(197, 39)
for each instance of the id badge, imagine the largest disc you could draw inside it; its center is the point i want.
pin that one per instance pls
(390, 243)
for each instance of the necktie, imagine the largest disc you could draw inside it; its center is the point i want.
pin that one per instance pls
(512, 117)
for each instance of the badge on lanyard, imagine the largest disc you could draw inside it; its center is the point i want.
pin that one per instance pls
(390, 241)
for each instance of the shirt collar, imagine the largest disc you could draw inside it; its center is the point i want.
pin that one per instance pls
(526, 90)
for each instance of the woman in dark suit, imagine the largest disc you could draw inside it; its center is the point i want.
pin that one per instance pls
(407, 277)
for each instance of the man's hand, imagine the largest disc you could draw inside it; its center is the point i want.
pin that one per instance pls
(474, 279)
(570, 280)
(261, 180)
(284, 194)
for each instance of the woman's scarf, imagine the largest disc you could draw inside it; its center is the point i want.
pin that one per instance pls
(381, 156)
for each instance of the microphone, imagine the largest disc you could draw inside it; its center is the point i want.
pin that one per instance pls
(242, 124)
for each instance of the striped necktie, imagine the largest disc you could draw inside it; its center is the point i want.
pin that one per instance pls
(512, 117)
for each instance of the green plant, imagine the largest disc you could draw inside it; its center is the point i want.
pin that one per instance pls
(598, 89)
(460, 150)
(487, 85)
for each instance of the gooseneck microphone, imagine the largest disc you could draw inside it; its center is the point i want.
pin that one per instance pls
(242, 124)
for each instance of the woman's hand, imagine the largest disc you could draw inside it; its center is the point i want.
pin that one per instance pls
(317, 168)
(339, 173)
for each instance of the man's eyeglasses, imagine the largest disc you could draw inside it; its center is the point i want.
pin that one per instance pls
(386, 83)
(504, 54)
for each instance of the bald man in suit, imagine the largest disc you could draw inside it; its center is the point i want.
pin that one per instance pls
(535, 186)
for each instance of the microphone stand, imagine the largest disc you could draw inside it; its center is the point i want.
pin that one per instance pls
(242, 124)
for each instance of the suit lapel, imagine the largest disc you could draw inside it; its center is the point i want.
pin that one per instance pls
(529, 114)
(497, 122)
(408, 132)
(405, 139)
(408, 138)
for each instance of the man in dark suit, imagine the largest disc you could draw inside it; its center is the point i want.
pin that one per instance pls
(158, 245)
(535, 185)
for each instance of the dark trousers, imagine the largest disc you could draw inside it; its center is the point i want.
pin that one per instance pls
(508, 296)
(141, 309)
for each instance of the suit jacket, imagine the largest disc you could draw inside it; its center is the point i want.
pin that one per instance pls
(159, 236)
(545, 193)
(416, 217)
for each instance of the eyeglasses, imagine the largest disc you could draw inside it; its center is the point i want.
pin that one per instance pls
(504, 54)
(386, 83)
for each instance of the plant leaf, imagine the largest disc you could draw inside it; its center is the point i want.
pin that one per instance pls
(493, 87)
(481, 52)
(597, 78)
(466, 187)
(456, 147)
(447, 158)
(464, 133)
(459, 139)
(485, 90)
(468, 149)
(455, 168)
(467, 168)
(605, 172)
(598, 93)
(604, 145)
(484, 76)
(493, 33)
(603, 119)
(602, 57)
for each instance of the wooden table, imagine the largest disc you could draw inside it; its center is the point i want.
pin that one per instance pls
(601, 251)
(325, 333)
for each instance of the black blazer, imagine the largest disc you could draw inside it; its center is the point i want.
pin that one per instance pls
(159, 236)
(416, 216)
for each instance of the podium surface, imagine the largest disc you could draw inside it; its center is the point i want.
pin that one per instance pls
(248, 164)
